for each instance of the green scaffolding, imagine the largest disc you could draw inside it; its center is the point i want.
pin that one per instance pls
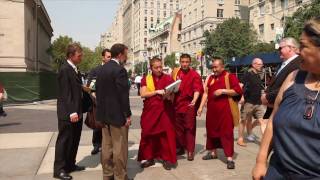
(29, 86)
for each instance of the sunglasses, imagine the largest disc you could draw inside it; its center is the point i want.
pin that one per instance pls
(310, 103)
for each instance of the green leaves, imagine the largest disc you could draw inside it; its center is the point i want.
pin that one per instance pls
(170, 61)
(232, 38)
(58, 52)
(294, 24)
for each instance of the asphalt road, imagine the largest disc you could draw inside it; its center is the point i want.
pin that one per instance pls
(42, 117)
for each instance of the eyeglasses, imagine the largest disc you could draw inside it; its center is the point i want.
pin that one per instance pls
(310, 102)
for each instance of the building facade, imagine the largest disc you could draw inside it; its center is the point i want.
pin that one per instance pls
(199, 16)
(165, 37)
(268, 17)
(25, 36)
(147, 14)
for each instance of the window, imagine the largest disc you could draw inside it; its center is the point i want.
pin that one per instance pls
(272, 26)
(220, 2)
(164, 6)
(146, 4)
(164, 14)
(261, 28)
(262, 9)
(220, 13)
(202, 14)
(273, 6)
(151, 12)
(284, 4)
(237, 2)
(145, 11)
(298, 2)
(145, 33)
(237, 13)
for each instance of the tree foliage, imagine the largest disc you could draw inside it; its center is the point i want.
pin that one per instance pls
(141, 68)
(58, 48)
(170, 61)
(263, 48)
(231, 38)
(295, 23)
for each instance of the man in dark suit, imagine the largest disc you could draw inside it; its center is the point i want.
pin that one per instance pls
(97, 133)
(288, 49)
(69, 110)
(113, 110)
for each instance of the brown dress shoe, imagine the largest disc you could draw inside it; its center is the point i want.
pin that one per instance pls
(166, 165)
(190, 156)
(148, 163)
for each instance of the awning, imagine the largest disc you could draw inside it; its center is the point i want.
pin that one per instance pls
(267, 58)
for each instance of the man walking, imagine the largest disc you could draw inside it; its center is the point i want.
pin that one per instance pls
(252, 107)
(218, 88)
(69, 110)
(97, 133)
(113, 110)
(288, 49)
(186, 106)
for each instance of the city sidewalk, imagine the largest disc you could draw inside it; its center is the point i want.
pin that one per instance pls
(30, 155)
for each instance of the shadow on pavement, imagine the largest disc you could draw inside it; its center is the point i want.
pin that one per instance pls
(91, 161)
(10, 124)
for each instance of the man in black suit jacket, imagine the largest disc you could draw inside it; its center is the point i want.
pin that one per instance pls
(113, 110)
(69, 110)
(288, 49)
(97, 133)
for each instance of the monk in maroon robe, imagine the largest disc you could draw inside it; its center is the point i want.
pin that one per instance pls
(186, 106)
(158, 140)
(219, 119)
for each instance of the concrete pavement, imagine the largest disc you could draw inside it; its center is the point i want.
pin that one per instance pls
(29, 154)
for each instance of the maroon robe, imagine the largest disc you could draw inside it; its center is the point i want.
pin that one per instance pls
(157, 130)
(185, 116)
(219, 121)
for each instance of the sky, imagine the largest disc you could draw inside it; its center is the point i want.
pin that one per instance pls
(82, 20)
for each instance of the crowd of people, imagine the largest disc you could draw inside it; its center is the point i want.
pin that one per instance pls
(286, 111)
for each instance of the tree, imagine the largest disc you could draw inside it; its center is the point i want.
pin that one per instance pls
(295, 23)
(170, 61)
(58, 50)
(263, 48)
(194, 63)
(140, 68)
(232, 38)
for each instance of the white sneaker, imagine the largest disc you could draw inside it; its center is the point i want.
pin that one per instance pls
(251, 138)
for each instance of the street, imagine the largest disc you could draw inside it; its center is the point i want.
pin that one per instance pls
(27, 142)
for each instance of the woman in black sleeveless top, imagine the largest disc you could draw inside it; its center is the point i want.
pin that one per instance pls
(294, 127)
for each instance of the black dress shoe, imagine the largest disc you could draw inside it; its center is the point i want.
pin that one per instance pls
(209, 156)
(62, 175)
(166, 165)
(230, 165)
(77, 168)
(95, 150)
(180, 152)
(148, 163)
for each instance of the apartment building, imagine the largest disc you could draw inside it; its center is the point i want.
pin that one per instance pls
(165, 37)
(268, 17)
(147, 14)
(25, 36)
(199, 16)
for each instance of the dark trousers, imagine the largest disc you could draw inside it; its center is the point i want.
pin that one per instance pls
(268, 112)
(138, 87)
(97, 138)
(67, 145)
